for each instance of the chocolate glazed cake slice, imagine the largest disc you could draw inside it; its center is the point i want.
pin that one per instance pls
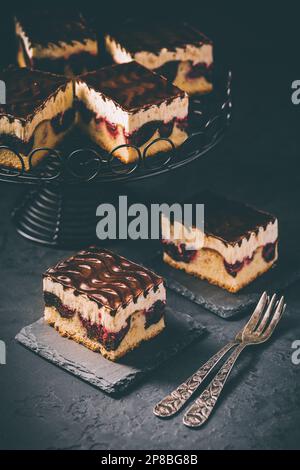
(62, 43)
(128, 104)
(239, 243)
(104, 301)
(38, 113)
(178, 51)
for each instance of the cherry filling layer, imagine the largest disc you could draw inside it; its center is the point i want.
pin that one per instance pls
(86, 114)
(234, 269)
(142, 135)
(63, 121)
(170, 70)
(97, 332)
(200, 70)
(60, 123)
(110, 340)
(178, 252)
(154, 314)
(51, 300)
(138, 137)
(269, 252)
(111, 128)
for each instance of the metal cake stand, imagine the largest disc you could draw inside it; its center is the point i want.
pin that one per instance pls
(59, 208)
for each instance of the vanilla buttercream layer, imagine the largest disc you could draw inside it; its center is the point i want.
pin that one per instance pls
(209, 265)
(195, 239)
(203, 53)
(90, 310)
(130, 121)
(57, 103)
(54, 51)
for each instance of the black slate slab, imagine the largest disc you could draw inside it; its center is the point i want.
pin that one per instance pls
(111, 377)
(221, 302)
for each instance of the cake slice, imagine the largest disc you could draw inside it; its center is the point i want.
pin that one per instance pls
(239, 243)
(179, 52)
(38, 113)
(104, 301)
(58, 42)
(129, 104)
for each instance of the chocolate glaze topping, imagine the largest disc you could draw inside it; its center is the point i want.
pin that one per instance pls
(153, 36)
(228, 220)
(44, 27)
(27, 90)
(105, 277)
(131, 86)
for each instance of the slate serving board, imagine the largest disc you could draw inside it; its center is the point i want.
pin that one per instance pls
(221, 302)
(111, 377)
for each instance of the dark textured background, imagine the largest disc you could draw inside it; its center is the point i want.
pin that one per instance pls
(42, 406)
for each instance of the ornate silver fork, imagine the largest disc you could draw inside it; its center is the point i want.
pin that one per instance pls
(172, 403)
(258, 330)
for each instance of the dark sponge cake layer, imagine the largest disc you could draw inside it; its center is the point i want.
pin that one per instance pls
(105, 277)
(153, 36)
(27, 90)
(131, 86)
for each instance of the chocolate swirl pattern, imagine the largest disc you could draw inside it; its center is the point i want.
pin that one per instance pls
(105, 277)
(154, 36)
(231, 221)
(45, 28)
(26, 90)
(131, 85)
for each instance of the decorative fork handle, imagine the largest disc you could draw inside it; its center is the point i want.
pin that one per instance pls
(201, 409)
(172, 403)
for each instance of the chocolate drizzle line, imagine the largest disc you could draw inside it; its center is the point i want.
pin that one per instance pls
(44, 27)
(230, 221)
(131, 86)
(153, 36)
(104, 277)
(27, 91)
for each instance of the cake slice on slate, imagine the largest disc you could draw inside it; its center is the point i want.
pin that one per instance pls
(56, 41)
(239, 243)
(129, 104)
(38, 113)
(179, 52)
(104, 301)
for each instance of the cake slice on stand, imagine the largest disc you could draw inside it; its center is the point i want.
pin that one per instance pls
(178, 51)
(38, 113)
(58, 42)
(128, 104)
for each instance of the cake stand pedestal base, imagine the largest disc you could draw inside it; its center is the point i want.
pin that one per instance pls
(57, 216)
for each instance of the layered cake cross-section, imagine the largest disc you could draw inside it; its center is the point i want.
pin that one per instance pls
(60, 42)
(128, 104)
(239, 243)
(178, 51)
(104, 301)
(38, 113)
